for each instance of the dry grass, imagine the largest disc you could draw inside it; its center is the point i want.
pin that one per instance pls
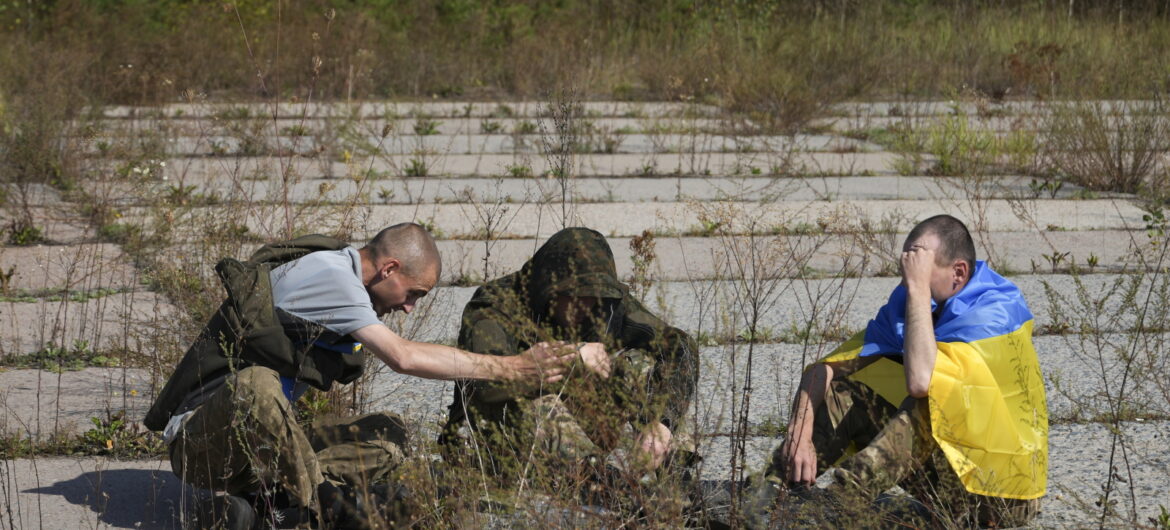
(779, 60)
(775, 66)
(1117, 147)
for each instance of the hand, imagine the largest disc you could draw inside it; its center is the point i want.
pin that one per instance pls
(800, 460)
(595, 357)
(653, 444)
(917, 267)
(548, 361)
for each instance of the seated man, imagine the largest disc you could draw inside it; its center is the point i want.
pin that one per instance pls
(941, 394)
(569, 291)
(301, 314)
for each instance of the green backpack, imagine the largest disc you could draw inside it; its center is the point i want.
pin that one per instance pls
(246, 331)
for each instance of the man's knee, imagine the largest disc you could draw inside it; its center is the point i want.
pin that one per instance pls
(381, 426)
(250, 406)
(256, 382)
(258, 399)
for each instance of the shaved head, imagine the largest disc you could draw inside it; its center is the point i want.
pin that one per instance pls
(411, 245)
(952, 233)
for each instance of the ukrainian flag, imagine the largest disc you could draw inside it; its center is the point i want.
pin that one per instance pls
(987, 407)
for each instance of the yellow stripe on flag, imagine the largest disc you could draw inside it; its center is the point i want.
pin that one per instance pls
(987, 409)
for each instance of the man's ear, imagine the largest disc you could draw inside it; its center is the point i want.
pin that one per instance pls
(962, 271)
(390, 266)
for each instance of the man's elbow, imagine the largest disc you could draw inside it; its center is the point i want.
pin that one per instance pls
(400, 365)
(918, 387)
(400, 359)
(817, 374)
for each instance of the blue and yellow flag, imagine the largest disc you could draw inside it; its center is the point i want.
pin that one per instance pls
(987, 407)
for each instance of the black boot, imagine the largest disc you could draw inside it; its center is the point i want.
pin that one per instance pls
(343, 507)
(228, 512)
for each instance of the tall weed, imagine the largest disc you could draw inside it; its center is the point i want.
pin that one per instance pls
(1110, 146)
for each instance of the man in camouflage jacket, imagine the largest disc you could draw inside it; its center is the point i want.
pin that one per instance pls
(634, 393)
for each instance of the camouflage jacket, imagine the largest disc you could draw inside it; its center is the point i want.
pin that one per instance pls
(508, 315)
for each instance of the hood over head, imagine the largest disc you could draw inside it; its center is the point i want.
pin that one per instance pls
(574, 262)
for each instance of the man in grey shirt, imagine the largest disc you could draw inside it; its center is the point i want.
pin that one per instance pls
(233, 427)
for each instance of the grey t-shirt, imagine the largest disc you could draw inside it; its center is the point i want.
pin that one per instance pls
(324, 288)
(320, 290)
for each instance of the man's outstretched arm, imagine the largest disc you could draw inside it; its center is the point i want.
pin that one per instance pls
(435, 361)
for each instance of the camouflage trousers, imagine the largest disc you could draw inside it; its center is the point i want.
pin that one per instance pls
(583, 419)
(555, 446)
(895, 447)
(245, 437)
(561, 435)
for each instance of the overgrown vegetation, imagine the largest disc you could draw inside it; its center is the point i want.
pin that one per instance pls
(114, 436)
(1110, 146)
(780, 61)
(58, 359)
(769, 67)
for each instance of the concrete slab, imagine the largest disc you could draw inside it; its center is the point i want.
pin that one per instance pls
(1002, 127)
(921, 107)
(702, 164)
(865, 123)
(741, 164)
(600, 142)
(113, 129)
(117, 321)
(1084, 375)
(621, 219)
(588, 109)
(38, 403)
(519, 189)
(1079, 460)
(186, 171)
(82, 267)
